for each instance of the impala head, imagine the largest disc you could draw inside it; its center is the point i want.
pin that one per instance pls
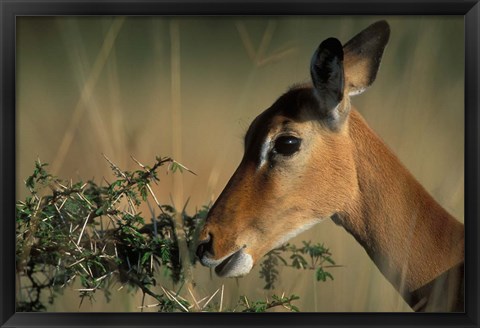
(298, 166)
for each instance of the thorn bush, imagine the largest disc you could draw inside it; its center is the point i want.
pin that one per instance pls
(96, 235)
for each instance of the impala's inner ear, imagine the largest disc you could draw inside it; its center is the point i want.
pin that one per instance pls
(362, 56)
(326, 69)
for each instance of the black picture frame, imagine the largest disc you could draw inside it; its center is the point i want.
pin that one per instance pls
(10, 9)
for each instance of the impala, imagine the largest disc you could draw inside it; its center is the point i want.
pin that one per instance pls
(311, 156)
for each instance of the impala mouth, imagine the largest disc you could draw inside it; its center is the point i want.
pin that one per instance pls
(219, 268)
(235, 265)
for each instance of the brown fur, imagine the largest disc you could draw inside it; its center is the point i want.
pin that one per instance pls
(344, 171)
(408, 235)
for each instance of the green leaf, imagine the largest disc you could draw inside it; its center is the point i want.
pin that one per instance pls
(30, 182)
(329, 260)
(145, 257)
(294, 308)
(298, 261)
(323, 275)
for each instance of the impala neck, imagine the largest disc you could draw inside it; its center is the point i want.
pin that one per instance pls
(408, 235)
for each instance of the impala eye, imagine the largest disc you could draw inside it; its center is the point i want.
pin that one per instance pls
(286, 145)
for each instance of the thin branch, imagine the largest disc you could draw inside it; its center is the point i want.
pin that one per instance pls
(172, 297)
(211, 297)
(194, 299)
(221, 299)
(89, 216)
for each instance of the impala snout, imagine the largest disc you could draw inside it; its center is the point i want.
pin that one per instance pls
(234, 263)
(205, 246)
(213, 246)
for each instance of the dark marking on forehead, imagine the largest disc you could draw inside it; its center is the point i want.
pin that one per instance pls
(294, 101)
(290, 105)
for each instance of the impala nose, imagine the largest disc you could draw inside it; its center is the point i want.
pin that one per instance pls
(204, 246)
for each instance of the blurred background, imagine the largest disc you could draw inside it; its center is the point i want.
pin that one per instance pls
(188, 87)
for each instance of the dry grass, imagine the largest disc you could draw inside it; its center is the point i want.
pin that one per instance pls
(189, 87)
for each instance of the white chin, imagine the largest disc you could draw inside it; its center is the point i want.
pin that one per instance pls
(235, 265)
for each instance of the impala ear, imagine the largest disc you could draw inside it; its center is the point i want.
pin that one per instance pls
(362, 56)
(326, 69)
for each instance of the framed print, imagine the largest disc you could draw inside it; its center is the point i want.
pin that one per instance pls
(198, 163)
